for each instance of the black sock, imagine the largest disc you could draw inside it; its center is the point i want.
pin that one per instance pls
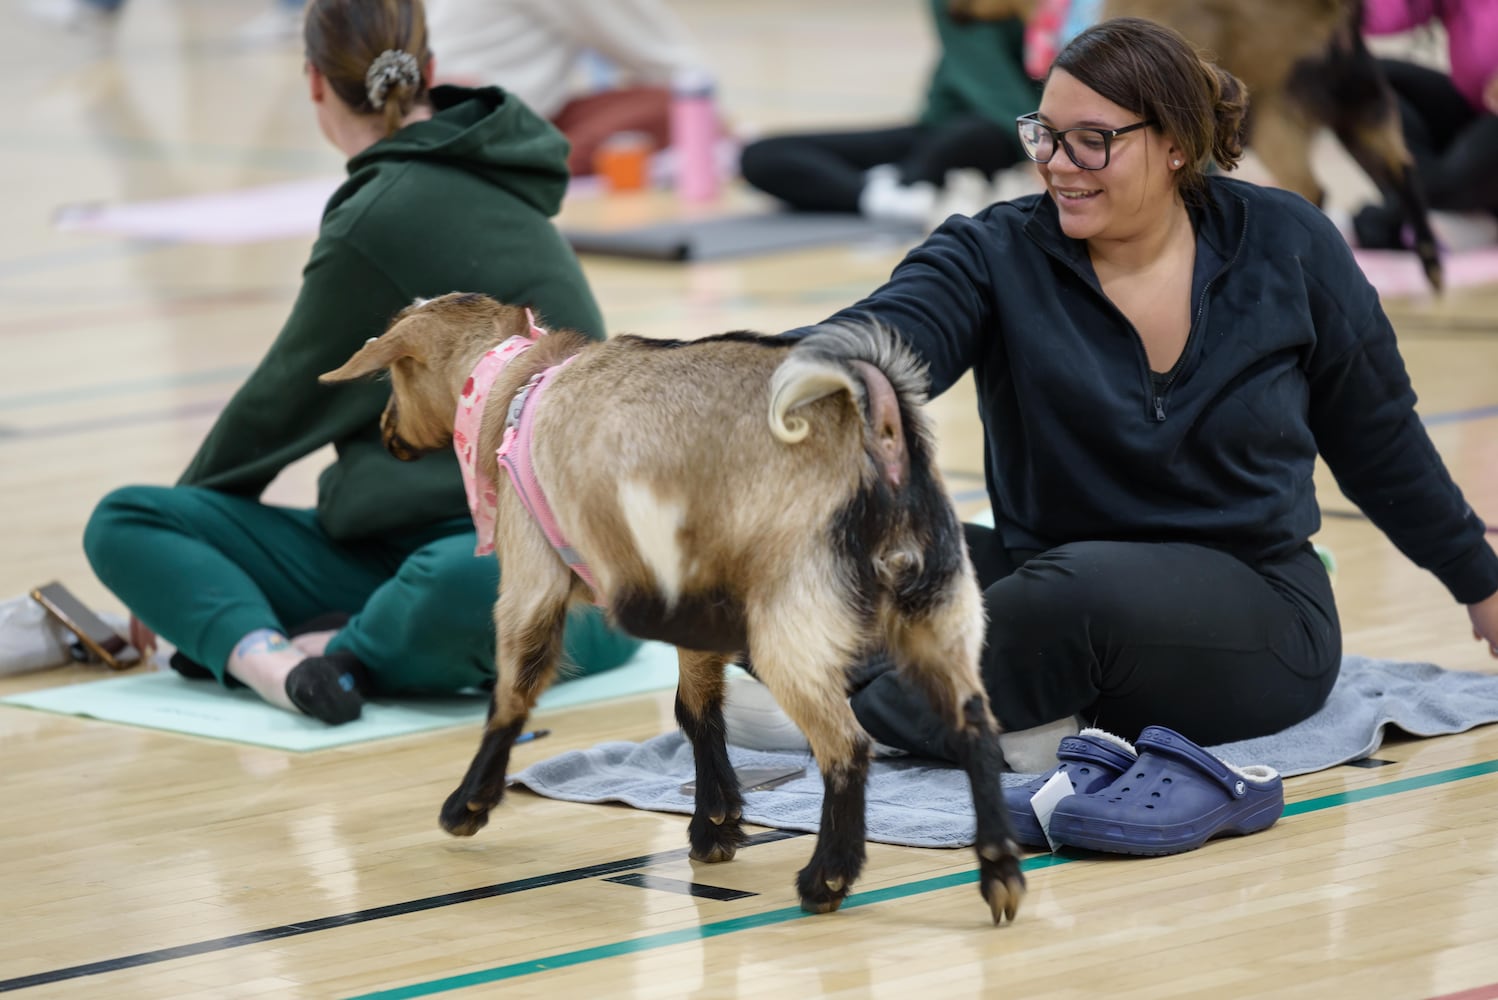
(191, 669)
(328, 687)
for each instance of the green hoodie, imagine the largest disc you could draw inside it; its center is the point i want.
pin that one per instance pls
(461, 202)
(981, 72)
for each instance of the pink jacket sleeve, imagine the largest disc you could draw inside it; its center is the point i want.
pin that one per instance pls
(1390, 17)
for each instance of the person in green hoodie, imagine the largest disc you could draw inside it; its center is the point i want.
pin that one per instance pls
(448, 189)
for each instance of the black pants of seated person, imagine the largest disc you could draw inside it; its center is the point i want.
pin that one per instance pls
(825, 171)
(1127, 635)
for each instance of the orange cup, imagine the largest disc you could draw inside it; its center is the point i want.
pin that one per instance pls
(623, 161)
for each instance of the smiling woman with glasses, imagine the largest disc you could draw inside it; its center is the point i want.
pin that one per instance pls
(1089, 148)
(1160, 356)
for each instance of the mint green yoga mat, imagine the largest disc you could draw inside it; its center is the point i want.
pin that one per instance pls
(163, 700)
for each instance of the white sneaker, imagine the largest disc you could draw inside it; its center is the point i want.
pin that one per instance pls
(885, 199)
(966, 192)
(1016, 182)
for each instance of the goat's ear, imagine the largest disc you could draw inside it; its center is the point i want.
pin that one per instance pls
(378, 353)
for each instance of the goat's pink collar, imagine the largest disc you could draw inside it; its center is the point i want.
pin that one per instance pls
(513, 452)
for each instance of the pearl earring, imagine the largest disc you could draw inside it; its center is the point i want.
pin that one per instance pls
(1175, 163)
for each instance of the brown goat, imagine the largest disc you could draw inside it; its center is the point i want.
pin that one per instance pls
(1306, 66)
(731, 495)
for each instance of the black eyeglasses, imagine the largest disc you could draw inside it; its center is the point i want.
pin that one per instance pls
(1092, 149)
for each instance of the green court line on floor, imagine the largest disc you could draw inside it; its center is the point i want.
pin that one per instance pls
(869, 897)
(1392, 788)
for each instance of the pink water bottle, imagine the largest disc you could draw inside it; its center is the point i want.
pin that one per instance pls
(694, 135)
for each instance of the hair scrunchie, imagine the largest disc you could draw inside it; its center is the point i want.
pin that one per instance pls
(389, 68)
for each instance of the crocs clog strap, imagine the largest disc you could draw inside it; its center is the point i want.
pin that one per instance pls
(1170, 743)
(1085, 749)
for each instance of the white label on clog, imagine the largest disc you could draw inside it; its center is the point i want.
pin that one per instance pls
(1044, 802)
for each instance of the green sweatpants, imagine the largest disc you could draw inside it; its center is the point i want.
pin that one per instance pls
(204, 569)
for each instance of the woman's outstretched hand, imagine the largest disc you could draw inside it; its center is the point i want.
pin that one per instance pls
(1484, 615)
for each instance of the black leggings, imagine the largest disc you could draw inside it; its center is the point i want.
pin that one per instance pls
(824, 172)
(1129, 634)
(1455, 146)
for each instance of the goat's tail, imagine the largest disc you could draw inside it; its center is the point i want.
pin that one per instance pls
(824, 363)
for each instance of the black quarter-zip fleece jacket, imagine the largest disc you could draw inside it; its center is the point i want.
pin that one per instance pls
(1289, 354)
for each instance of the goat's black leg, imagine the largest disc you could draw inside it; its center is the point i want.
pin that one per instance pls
(960, 698)
(1000, 879)
(716, 831)
(805, 669)
(838, 858)
(466, 810)
(529, 646)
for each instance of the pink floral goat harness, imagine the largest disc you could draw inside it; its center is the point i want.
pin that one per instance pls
(514, 452)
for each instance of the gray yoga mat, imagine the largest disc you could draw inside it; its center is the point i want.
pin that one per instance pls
(738, 236)
(919, 804)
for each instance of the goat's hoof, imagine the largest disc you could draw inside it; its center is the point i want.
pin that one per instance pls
(822, 905)
(462, 817)
(715, 854)
(1003, 901)
(822, 891)
(714, 839)
(1001, 882)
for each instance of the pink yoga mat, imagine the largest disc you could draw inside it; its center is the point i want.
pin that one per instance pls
(1397, 274)
(249, 215)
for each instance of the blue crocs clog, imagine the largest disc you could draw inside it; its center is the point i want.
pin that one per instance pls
(1091, 759)
(1175, 798)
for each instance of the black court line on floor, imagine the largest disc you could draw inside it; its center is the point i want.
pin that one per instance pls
(366, 916)
(643, 881)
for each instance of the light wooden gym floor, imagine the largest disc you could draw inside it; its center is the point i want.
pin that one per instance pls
(142, 864)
